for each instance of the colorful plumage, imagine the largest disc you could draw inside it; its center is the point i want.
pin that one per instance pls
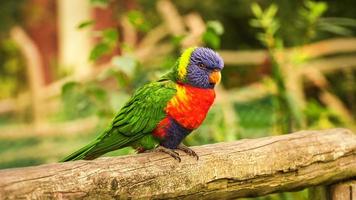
(161, 114)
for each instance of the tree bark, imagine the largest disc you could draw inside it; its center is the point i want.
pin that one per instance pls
(245, 168)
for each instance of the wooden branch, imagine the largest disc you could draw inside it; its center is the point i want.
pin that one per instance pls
(329, 65)
(129, 33)
(171, 17)
(328, 47)
(34, 70)
(335, 104)
(251, 92)
(317, 49)
(150, 40)
(196, 27)
(247, 57)
(244, 168)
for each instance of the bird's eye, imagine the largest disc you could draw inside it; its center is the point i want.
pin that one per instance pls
(201, 65)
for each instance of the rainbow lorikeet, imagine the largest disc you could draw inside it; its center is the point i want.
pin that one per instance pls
(161, 114)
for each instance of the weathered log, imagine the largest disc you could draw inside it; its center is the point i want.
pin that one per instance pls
(250, 167)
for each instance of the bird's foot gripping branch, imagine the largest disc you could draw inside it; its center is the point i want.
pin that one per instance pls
(250, 167)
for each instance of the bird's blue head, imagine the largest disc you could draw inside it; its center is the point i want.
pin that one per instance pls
(199, 67)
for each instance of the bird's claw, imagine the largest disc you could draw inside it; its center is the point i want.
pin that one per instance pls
(188, 151)
(174, 154)
(168, 151)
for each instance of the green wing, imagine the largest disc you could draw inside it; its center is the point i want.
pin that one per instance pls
(142, 113)
(137, 118)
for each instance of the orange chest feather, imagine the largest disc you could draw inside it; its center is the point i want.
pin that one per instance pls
(190, 105)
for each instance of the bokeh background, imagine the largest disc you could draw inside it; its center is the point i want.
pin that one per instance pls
(66, 67)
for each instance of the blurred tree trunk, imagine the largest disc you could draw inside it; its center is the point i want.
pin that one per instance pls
(41, 26)
(34, 68)
(74, 44)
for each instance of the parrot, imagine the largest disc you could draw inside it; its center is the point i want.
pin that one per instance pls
(160, 114)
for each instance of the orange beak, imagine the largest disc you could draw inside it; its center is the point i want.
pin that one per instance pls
(215, 77)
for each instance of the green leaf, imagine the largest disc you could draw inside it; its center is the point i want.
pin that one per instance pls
(85, 24)
(68, 87)
(101, 3)
(316, 8)
(215, 26)
(271, 11)
(256, 9)
(339, 21)
(99, 93)
(274, 27)
(313, 10)
(177, 39)
(110, 36)
(255, 23)
(99, 50)
(211, 39)
(335, 29)
(137, 19)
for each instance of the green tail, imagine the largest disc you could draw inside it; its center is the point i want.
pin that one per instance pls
(110, 140)
(82, 154)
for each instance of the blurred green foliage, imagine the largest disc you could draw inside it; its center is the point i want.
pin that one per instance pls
(85, 24)
(290, 115)
(137, 19)
(99, 3)
(80, 100)
(286, 111)
(108, 41)
(10, 14)
(12, 70)
(211, 37)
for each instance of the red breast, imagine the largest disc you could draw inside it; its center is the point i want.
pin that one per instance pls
(190, 105)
